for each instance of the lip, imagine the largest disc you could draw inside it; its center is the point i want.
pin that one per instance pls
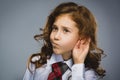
(55, 44)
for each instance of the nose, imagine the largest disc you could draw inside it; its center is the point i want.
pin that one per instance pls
(57, 36)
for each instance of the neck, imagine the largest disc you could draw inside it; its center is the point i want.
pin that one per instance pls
(67, 56)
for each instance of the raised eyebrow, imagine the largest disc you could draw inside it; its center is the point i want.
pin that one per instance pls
(54, 25)
(66, 27)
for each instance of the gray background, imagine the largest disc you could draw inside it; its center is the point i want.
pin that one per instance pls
(20, 20)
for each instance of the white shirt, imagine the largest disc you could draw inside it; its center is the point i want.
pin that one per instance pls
(77, 71)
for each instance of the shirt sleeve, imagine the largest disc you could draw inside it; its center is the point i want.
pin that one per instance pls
(37, 74)
(79, 73)
(29, 74)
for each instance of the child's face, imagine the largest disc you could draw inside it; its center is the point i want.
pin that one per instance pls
(64, 35)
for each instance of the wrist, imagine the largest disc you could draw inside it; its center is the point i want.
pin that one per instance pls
(79, 62)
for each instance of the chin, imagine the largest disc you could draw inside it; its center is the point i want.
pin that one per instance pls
(57, 52)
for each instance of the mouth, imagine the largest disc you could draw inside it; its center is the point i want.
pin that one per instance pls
(55, 45)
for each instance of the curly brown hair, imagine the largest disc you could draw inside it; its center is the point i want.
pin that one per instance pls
(87, 26)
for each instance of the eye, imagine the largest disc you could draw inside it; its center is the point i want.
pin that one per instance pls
(65, 30)
(54, 28)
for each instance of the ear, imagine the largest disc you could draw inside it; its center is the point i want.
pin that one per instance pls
(85, 40)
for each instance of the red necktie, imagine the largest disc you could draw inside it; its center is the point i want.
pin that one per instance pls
(58, 69)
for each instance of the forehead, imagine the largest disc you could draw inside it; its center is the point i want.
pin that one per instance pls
(65, 20)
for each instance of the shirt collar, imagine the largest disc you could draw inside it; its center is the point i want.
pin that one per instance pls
(58, 58)
(69, 63)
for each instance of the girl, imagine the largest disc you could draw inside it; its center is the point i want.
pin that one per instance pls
(69, 39)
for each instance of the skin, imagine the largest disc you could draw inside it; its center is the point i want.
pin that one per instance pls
(66, 40)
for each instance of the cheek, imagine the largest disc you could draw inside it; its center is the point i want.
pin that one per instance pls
(70, 43)
(51, 36)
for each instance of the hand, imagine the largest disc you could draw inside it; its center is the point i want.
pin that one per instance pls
(80, 51)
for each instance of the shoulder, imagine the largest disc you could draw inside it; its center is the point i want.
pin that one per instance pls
(32, 67)
(33, 73)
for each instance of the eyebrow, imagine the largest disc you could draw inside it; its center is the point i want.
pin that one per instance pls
(62, 27)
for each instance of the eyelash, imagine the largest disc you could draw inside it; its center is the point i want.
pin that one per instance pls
(65, 30)
(54, 28)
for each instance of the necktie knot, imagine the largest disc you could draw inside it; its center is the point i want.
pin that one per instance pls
(58, 69)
